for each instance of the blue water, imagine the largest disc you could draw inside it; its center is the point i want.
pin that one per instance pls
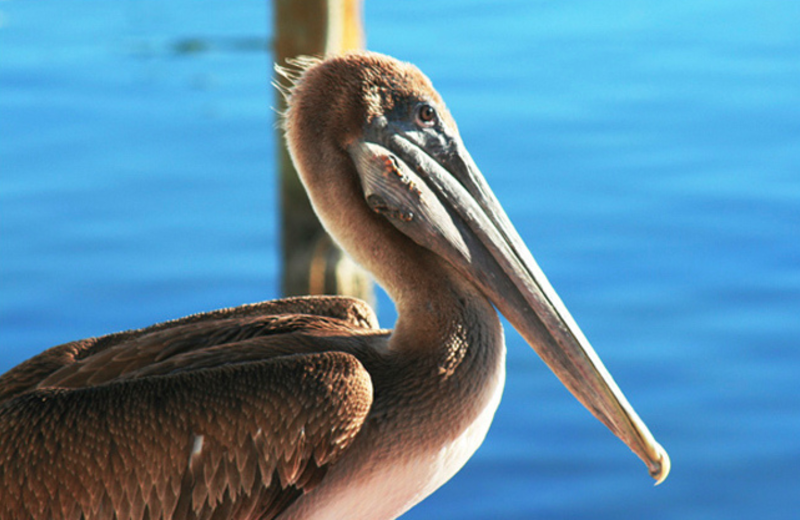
(649, 154)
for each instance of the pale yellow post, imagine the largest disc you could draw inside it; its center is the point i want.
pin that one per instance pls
(312, 264)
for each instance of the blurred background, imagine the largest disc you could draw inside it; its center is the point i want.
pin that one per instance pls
(648, 153)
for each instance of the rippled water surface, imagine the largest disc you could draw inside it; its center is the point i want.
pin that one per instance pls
(649, 154)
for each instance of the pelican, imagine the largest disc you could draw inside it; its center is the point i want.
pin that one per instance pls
(304, 408)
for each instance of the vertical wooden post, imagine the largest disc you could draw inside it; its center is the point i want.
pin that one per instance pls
(312, 263)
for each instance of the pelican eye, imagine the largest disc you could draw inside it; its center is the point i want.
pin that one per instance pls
(426, 115)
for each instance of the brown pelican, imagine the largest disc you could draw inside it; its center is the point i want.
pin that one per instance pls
(303, 407)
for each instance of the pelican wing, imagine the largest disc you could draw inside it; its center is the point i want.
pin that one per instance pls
(102, 359)
(239, 428)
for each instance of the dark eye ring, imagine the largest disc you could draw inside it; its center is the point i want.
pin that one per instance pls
(426, 114)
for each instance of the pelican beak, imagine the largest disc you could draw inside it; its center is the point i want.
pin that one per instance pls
(442, 202)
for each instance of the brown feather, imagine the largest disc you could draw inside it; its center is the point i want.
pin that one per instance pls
(121, 415)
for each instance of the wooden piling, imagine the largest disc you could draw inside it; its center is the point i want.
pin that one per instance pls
(311, 262)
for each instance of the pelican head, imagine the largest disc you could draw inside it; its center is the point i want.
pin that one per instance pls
(387, 155)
